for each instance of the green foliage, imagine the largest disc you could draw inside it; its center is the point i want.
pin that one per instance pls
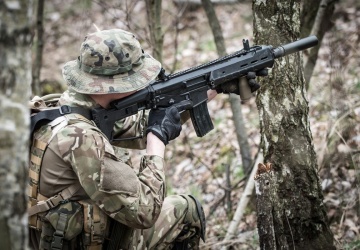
(208, 45)
(51, 87)
(169, 188)
(219, 169)
(352, 245)
(86, 4)
(195, 191)
(217, 122)
(226, 151)
(74, 9)
(357, 85)
(225, 156)
(239, 172)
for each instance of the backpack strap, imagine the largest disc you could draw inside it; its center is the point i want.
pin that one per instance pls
(55, 200)
(48, 115)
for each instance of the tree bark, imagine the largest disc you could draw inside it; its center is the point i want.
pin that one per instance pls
(153, 8)
(309, 9)
(38, 50)
(295, 201)
(15, 78)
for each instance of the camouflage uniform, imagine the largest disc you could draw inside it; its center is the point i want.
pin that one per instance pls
(73, 151)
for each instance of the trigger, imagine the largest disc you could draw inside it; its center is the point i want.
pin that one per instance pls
(183, 105)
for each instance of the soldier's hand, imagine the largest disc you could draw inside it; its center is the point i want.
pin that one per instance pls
(164, 123)
(232, 86)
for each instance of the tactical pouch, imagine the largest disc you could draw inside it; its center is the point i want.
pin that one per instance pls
(95, 226)
(67, 219)
(63, 222)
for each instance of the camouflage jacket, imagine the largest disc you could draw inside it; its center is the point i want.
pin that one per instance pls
(79, 152)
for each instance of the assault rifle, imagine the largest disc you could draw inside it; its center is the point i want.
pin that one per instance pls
(188, 89)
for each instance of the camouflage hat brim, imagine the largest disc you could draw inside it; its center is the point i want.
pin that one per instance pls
(137, 78)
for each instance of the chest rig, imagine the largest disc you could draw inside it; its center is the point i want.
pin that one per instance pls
(94, 220)
(38, 204)
(47, 120)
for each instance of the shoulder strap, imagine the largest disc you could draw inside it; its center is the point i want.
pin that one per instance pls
(63, 196)
(51, 114)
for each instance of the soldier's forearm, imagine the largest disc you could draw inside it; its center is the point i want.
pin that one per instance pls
(154, 146)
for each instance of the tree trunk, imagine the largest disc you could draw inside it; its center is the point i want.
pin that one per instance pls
(153, 8)
(235, 103)
(294, 199)
(308, 14)
(15, 78)
(320, 23)
(38, 50)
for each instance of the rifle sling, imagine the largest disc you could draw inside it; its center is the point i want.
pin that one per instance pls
(51, 114)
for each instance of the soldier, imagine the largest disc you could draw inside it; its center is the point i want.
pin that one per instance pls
(87, 194)
(84, 192)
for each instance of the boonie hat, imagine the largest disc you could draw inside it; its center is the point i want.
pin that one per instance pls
(110, 61)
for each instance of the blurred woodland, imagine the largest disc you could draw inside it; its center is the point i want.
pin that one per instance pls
(211, 167)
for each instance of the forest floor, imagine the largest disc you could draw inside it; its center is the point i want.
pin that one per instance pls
(197, 165)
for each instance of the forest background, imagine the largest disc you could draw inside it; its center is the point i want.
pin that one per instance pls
(199, 165)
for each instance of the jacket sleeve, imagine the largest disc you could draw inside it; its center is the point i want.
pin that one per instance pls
(132, 127)
(134, 199)
(135, 127)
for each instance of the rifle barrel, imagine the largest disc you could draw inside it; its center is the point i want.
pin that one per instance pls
(296, 46)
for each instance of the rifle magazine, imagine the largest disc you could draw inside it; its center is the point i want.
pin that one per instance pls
(201, 119)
